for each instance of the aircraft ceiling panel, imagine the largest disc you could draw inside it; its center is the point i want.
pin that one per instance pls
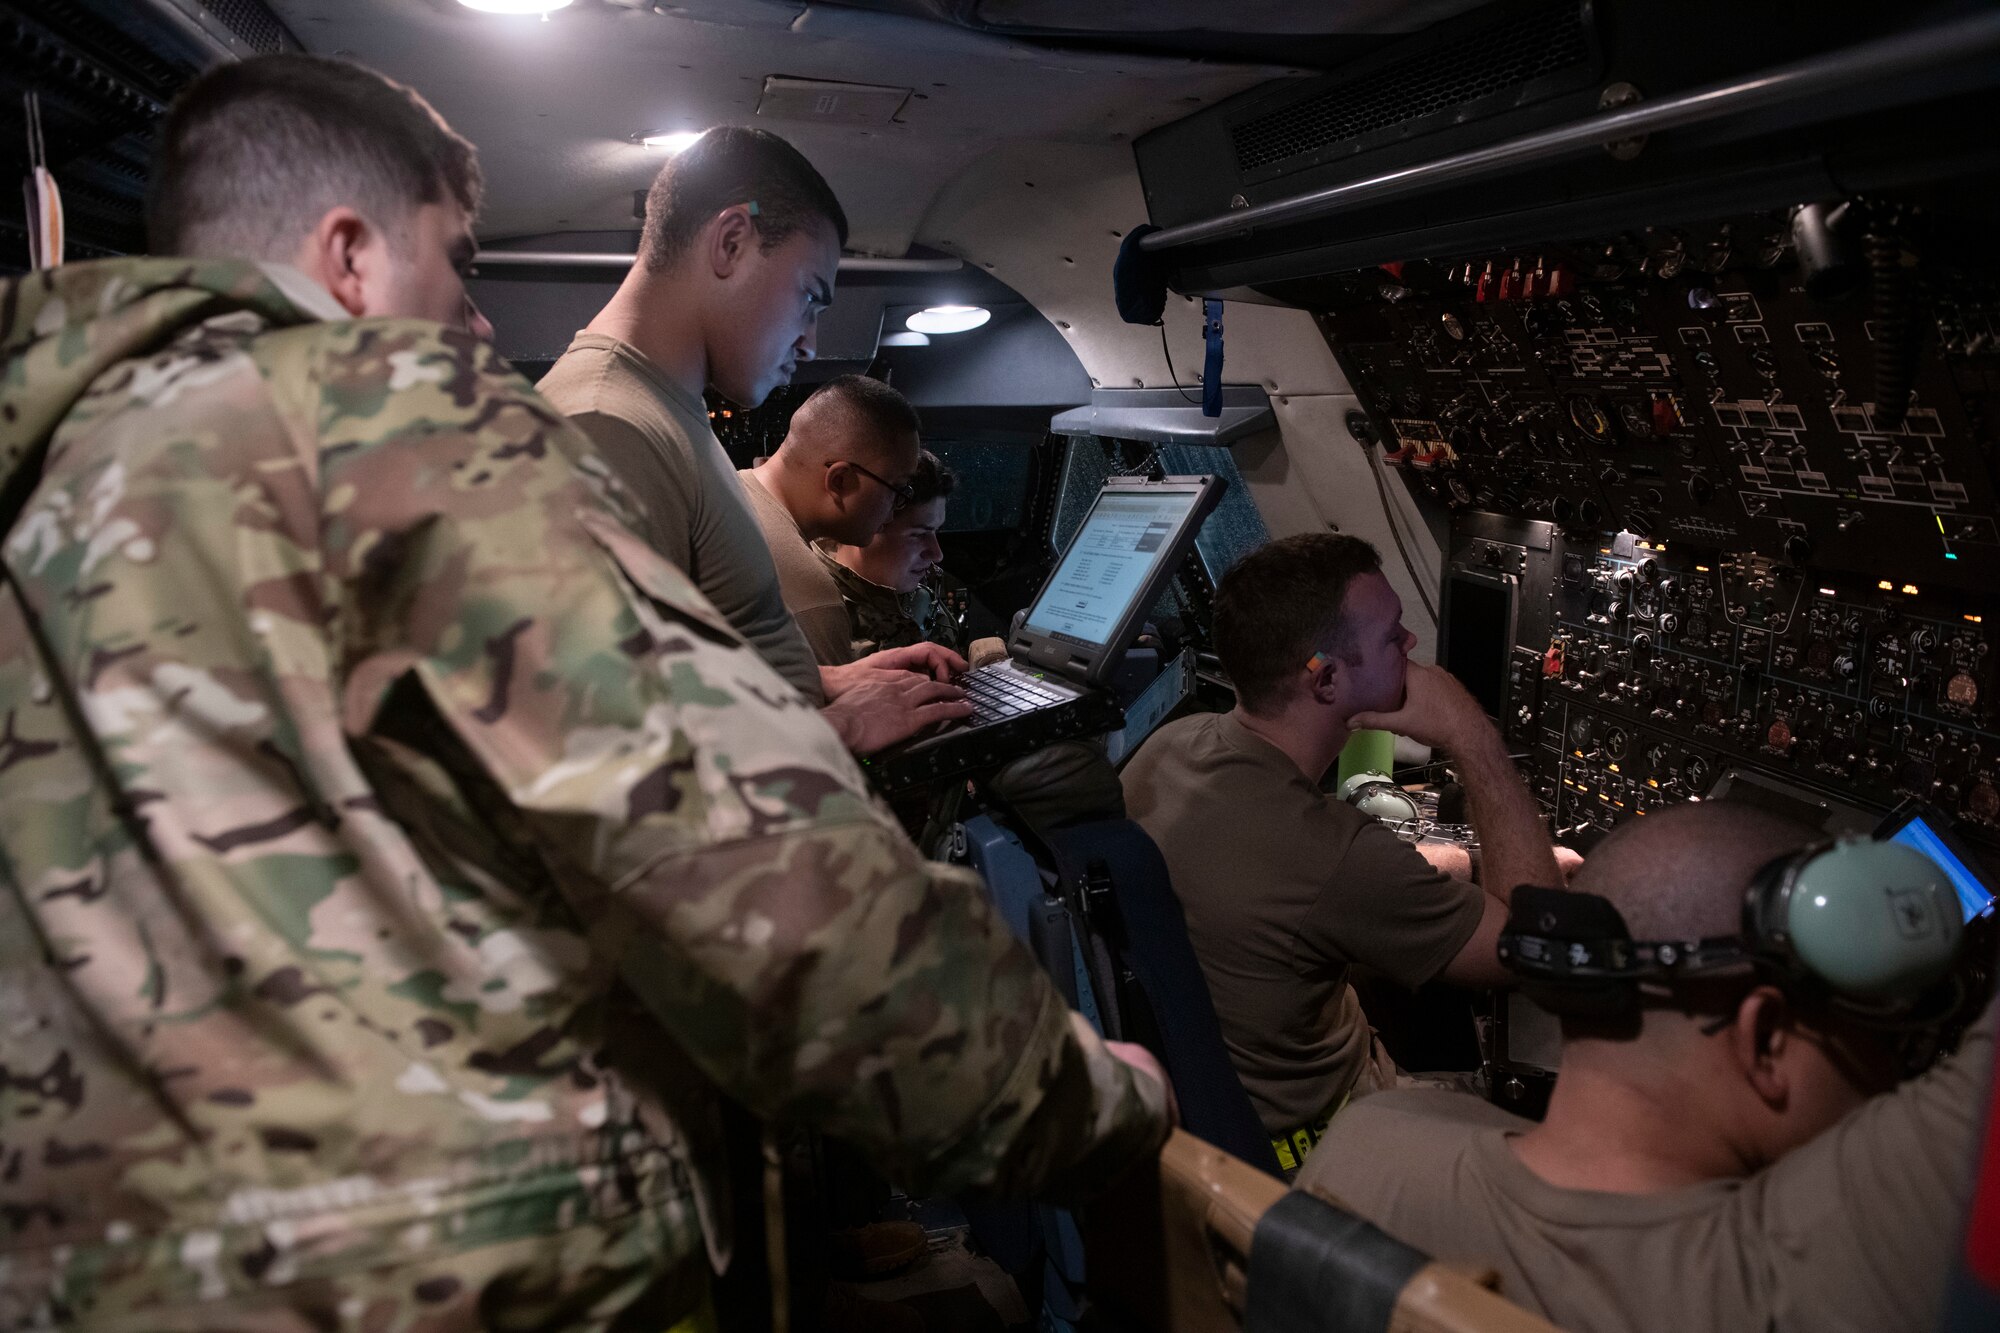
(556, 106)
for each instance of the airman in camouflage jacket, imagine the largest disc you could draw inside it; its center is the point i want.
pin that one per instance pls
(396, 856)
(884, 618)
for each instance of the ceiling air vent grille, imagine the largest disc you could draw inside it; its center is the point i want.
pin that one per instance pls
(252, 22)
(1533, 45)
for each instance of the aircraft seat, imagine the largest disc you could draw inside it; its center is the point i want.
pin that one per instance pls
(1202, 1242)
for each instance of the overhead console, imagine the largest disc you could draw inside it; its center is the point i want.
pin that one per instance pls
(1713, 416)
(1531, 120)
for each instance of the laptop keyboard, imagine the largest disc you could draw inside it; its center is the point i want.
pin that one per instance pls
(998, 695)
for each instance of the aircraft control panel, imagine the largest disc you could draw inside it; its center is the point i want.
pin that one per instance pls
(1720, 497)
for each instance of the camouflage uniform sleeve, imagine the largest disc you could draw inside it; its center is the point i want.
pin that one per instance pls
(509, 643)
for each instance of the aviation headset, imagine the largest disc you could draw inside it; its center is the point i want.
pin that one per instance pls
(1870, 927)
(1377, 795)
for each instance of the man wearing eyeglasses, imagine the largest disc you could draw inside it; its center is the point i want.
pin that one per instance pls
(842, 471)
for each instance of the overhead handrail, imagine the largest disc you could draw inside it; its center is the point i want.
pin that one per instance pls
(1962, 40)
(590, 259)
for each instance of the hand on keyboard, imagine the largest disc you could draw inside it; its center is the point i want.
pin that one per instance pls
(880, 707)
(928, 659)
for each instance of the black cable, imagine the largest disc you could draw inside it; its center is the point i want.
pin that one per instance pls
(1389, 513)
(1171, 373)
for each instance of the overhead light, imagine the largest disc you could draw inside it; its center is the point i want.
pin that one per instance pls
(949, 318)
(543, 7)
(677, 142)
(906, 338)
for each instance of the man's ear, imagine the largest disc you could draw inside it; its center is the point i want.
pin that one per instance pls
(335, 255)
(1759, 1039)
(841, 482)
(731, 236)
(1323, 678)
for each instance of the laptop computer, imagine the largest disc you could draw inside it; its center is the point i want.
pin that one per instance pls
(1927, 829)
(1064, 649)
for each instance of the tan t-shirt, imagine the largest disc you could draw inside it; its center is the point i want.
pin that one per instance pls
(1852, 1233)
(655, 436)
(1283, 888)
(809, 592)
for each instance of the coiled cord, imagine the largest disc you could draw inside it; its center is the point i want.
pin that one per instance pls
(1892, 297)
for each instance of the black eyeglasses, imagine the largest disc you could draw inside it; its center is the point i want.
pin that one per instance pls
(904, 494)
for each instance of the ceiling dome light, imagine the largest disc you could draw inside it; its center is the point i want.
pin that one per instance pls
(542, 7)
(907, 338)
(949, 318)
(677, 142)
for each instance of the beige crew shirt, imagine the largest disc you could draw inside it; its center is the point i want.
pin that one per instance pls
(1283, 888)
(809, 592)
(656, 438)
(1852, 1233)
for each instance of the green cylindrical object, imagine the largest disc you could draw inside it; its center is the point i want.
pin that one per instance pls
(1367, 752)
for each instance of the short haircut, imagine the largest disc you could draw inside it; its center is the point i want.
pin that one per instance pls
(931, 481)
(858, 402)
(733, 165)
(1281, 604)
(254, 153)
(1680, 873)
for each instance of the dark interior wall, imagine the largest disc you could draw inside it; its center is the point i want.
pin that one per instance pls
(103, 73)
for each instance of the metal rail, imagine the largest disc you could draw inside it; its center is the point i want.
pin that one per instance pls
(1906, 53)
(587, 259)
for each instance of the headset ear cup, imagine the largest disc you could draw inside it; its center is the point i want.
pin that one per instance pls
(1766, 899)
(1385, 801)
(1875, 923)
(1377, 795)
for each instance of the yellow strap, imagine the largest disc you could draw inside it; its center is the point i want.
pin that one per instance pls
(1293, 1145)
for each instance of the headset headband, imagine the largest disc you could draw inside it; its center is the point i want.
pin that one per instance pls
(1869, 926)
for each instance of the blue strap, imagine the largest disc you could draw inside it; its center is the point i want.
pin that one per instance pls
(1211, 367)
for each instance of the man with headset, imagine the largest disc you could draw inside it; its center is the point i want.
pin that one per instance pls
(1726, 1146)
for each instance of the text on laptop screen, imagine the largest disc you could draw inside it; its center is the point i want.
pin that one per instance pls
(1973, 895)
(1107, 561)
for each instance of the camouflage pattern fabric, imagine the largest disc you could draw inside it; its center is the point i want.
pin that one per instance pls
(884, 618)
(427, 856)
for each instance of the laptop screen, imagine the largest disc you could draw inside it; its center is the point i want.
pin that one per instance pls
(1107, 564)
(1974, 897)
